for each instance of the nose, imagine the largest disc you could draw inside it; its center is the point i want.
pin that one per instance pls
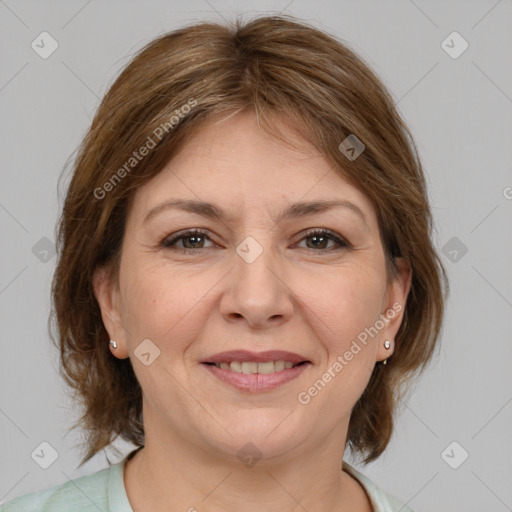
(257, 292)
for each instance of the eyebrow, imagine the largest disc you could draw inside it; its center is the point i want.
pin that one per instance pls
(295, 210)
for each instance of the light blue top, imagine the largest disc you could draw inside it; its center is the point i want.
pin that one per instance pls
(105, 491)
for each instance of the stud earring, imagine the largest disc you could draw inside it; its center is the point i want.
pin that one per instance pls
(113, 343)
(387, 346)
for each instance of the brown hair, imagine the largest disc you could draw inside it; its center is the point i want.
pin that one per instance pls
(281, 68)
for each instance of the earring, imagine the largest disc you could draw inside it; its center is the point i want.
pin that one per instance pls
(113, 343)
(387, 346)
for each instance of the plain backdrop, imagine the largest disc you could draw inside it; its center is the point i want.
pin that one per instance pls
(458, 105)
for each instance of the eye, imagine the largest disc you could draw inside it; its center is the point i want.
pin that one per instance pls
(321, 237)
(192, 239)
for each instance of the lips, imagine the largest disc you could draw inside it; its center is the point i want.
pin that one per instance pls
(256, 371)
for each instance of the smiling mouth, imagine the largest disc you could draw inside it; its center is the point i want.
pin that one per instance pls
(251, 367)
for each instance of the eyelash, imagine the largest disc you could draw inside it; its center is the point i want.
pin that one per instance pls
(168, 243)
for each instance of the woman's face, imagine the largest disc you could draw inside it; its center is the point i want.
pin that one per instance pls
(258, 278)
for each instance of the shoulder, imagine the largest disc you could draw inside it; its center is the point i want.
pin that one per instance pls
(86, 493)
(380, 500)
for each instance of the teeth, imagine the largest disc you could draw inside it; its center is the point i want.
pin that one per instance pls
(279, 365)
(266, 367)
(249, 367)
(236, 366)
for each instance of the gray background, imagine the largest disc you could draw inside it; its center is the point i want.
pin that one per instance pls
(460, 112)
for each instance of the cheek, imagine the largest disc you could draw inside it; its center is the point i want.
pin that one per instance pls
(162, 304)
(349, 303)
(351, 349)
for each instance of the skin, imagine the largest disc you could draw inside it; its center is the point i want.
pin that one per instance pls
(294, 296)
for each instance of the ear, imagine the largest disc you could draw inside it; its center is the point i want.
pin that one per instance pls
(106, 291)
(394, 307)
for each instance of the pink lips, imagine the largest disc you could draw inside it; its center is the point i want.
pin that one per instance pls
(256, 382)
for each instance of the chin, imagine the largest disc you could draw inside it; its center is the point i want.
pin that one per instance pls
(259, 435)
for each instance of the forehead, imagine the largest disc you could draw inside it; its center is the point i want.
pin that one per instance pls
(233, 162)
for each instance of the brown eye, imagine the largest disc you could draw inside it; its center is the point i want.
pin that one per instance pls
(321, 238)
(190, 240)
(193, 240)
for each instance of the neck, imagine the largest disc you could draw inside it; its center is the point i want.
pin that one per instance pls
(179, 476)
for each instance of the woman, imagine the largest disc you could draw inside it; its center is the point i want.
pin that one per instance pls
(246, 277)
